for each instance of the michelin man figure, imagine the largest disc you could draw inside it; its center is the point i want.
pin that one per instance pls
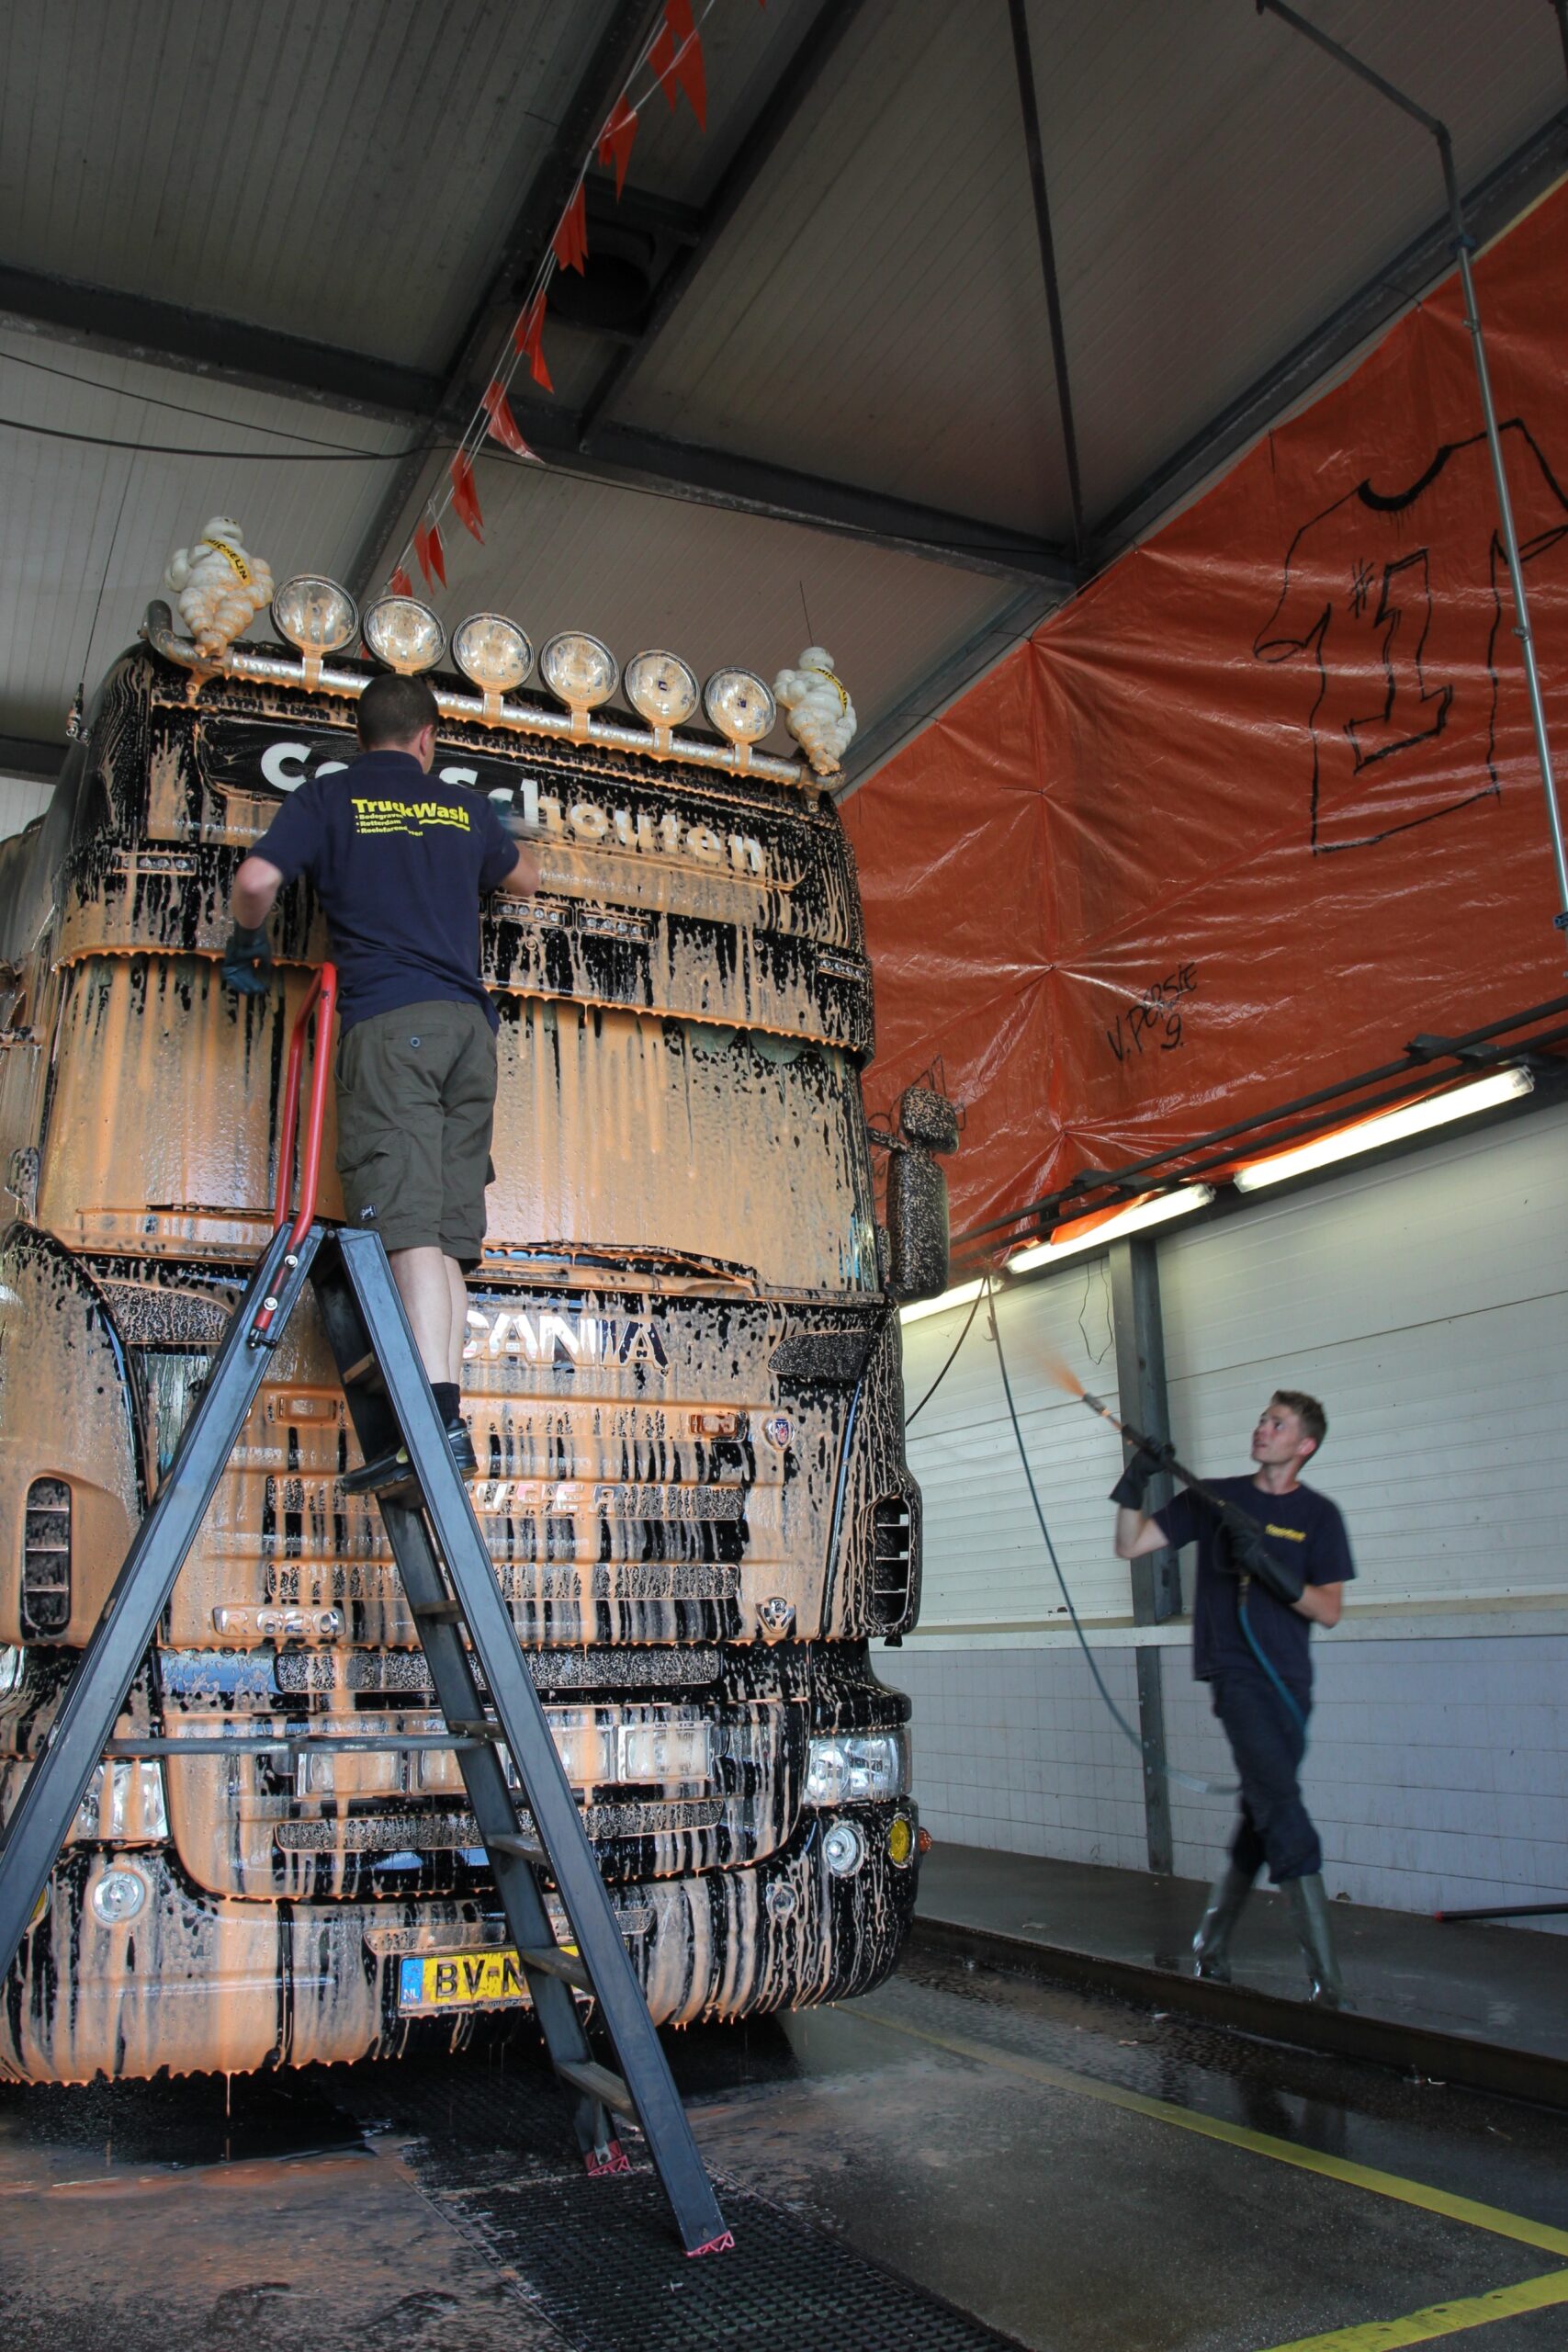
(220, 588)
(817, 709)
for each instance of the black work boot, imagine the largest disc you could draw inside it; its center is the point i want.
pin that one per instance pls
(462, 1446)
(1212, 1944)
(1309, 1913)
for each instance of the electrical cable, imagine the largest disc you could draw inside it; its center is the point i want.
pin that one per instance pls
(947, 1367)
(234, 457)
(1182, 1780)
(177, 408)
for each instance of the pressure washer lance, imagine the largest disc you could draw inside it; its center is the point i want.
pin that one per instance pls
(1241, 1538)
(1249, 1552)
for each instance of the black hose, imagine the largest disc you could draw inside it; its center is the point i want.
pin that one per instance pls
(1183, 1780)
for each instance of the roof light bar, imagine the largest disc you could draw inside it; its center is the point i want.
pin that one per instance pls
(1388, 1126)
(961, 1296)
(1070, 1241)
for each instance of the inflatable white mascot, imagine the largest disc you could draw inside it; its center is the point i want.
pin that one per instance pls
(817, 709)
(220, 588)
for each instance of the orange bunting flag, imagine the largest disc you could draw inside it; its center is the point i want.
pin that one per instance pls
(677, 58)
(465, 497)
(431, 556)
(503, 425)
(615, 140)
(571, 240)
(662, 57)
(400, 584)
(529, 339)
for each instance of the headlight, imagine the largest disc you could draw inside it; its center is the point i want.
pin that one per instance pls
(857, 1767)
(404, 633)
(493, 653)
(314, 614)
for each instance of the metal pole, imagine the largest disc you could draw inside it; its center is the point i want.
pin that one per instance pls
(1464, 245)
(1025, 64)
(1156, 1580)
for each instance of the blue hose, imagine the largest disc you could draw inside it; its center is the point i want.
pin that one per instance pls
(1286, 1700)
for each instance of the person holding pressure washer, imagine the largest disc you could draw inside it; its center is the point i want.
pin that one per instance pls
(1273, 1561)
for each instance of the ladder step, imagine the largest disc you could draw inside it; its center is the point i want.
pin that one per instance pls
(598, 2083)
(366, 1369)
(439, 1613)
(522, 1849)
(550, 1960)
(466, 1727)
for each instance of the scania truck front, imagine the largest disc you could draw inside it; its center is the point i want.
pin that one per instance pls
(682, 1379)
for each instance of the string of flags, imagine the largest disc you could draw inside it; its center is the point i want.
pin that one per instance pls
(671, 63)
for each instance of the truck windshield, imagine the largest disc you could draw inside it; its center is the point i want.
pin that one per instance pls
(689, 1152)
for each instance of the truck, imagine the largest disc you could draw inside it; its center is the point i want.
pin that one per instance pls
(682, 1379)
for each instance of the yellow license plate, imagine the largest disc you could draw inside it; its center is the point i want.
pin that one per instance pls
(490, 1979)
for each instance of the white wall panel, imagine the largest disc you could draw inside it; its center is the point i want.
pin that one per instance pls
(986, 1565)
(1425, 1301)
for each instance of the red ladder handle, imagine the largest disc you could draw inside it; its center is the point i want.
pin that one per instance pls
(321, 999)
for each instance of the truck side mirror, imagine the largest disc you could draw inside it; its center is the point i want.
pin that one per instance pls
(927, 1119)
(916, 1224)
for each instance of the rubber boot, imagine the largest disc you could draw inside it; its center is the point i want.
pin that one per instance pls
(1212, 1944)
(1309, 1911)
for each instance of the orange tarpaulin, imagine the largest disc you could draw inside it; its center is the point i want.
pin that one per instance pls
(1261, 802)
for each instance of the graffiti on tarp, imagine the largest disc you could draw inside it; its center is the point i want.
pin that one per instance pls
(1398, 597)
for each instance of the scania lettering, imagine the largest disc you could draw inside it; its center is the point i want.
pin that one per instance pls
(682, 1376)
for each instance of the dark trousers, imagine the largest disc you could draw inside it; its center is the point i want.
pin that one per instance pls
(1267, 1744)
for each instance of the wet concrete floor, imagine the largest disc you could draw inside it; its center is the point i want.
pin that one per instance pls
(1062, 2171)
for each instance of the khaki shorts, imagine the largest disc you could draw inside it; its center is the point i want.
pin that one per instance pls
(415, 1100)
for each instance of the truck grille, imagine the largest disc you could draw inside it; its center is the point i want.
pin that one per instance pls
(893, 1558)
(46, 1560)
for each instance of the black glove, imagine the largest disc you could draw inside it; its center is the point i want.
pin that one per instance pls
(1134, 1484)
(247, 961)
(1241, 1549)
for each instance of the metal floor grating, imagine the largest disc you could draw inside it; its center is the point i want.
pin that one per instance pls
(598, 2259)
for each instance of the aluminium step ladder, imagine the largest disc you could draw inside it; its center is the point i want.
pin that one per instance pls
(463, 1622)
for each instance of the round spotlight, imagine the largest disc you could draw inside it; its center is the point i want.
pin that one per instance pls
(662, 690)
(580, 672)
(120, 1896)
(493, 653)
(315, 614)
(841, 1849)
(404, 633)
(901, 1840)
(741, 708)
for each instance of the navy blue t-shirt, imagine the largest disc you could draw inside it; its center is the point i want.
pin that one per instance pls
(399, 862)
(1302, 1527)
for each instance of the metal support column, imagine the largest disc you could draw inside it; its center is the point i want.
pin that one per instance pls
(1156, 1582)
(1464, 246)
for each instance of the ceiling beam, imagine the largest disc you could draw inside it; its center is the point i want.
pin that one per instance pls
(25, 755)
(133, 326)
(619, 454)
(757, 145)
(1491, 208)
(614, 54)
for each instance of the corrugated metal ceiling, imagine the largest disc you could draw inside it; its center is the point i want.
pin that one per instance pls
(1216, 185)
(342, 169)
(870, 313)
(79, 519)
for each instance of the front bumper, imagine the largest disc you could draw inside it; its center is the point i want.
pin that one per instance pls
(196, 1983)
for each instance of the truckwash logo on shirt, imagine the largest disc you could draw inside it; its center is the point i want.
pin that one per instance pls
(406, 817)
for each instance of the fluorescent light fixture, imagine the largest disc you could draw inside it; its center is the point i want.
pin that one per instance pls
(959, 1297)
(1389, 1127)
(1092, 1234)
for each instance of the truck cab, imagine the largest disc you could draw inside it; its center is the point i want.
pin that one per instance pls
(682, 1379)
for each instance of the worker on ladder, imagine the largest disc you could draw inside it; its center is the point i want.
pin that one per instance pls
(400, 860)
